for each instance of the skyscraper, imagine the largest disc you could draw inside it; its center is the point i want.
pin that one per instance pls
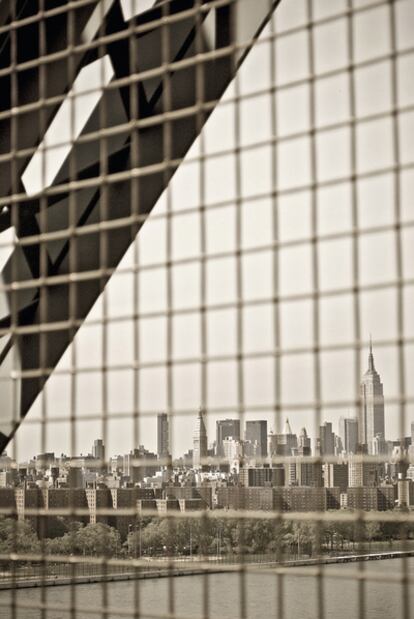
(307, 473)
(304, 443)
(199, 440)
(233, 451)
(256, 432)
(98, 449)
(348, 431)
(338, 449)
(411, 447)
(326, 439)
(224, 429)
(362, 473)
(371, 414)
(336, 475)
(283, 443)
(98, 452)
(162, 436)
(379, 445)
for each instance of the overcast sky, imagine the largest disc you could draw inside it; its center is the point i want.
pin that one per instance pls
(377, 254)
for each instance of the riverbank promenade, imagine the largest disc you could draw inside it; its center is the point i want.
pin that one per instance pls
(165, 569)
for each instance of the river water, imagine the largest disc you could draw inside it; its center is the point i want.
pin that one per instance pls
(261, 591)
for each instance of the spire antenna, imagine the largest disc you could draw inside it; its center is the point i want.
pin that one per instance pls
(371, 366)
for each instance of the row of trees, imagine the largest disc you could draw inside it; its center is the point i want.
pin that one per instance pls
(201, 536)
(92, 540)
(215, 536)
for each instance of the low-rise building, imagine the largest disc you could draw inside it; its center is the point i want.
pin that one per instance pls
(262, 476)
(253, 498)
(285, 499)
(381, 498)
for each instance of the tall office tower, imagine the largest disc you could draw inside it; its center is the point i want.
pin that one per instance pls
(348, 431)
(233, 450)
(224, 429)
(336, 475)
(199, 440)
(98, 449)
(304, 443)
(283, 443)
(256, 432)
(290, 468)
(411, 447)
(362, 473)
(338, 449)
(326, 439)
(133, 468)
(163, 433)
(271, 444)
(308, 473)
(379, 446)
(98, 452)
(371, 414)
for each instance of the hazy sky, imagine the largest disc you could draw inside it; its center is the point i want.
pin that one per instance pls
(377, 262)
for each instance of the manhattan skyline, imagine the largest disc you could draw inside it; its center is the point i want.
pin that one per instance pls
(338, 332)
(181, 438)
(209, 430)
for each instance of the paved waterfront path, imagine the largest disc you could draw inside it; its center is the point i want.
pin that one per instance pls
(191, 570)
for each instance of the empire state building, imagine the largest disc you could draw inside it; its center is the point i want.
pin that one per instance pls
(371, 415)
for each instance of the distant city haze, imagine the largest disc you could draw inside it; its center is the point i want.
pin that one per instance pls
(104, 404)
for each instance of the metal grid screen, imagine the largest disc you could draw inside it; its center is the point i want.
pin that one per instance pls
(207, 291)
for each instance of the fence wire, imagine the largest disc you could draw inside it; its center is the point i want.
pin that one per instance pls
(206, 221)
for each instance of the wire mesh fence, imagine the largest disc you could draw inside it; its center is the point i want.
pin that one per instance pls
(207, 290)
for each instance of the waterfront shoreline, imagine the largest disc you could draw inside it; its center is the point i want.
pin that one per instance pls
(165, 572)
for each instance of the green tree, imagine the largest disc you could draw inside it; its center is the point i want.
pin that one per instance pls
(328, 533)
(63, 545)
(300, 538)
(17, 536)
(372, 531)
(97, 540)
(151, 539)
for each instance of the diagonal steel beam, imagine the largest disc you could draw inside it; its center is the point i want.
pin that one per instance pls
(39, 205)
